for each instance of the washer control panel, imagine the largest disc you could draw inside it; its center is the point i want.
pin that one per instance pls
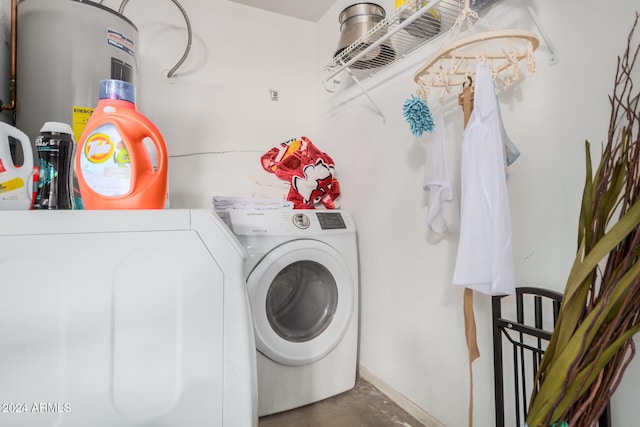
(303, 222)
(327, 220)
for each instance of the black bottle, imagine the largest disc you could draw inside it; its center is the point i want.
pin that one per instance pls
(55, 147)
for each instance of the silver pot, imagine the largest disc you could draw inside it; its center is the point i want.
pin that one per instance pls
(356, 21)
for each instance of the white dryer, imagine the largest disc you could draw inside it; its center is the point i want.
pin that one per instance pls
(124, 318)
(302, 280)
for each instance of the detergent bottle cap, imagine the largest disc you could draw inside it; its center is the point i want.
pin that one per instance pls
(56, 128)
(117, 89)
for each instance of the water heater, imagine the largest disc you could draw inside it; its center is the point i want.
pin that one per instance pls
(64, 49)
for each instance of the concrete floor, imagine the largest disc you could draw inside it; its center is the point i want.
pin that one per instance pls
(363, 406)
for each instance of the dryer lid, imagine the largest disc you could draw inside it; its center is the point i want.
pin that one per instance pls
(302, 296)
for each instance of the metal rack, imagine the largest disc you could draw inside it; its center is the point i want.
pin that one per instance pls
(523, 339)
(408, 28)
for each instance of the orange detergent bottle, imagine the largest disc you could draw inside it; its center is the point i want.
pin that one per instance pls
(121, 160)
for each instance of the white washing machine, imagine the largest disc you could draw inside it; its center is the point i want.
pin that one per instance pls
(302, 280)
(124, 318)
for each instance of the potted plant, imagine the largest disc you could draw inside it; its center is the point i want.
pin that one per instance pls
(592, 342)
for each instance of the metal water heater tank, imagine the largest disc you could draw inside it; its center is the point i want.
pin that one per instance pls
(64, 49)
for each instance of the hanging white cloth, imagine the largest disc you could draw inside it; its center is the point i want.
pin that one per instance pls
(485, 260)
(444, 213)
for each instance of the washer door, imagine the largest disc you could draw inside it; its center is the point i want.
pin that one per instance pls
(302, 297)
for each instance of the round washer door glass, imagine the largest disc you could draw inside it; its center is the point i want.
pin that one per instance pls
(302, 297)
(301, 301)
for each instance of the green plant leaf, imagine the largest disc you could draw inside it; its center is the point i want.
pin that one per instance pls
(536, 415)
(584, 335)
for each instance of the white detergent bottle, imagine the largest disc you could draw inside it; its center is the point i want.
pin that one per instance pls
(16, 181)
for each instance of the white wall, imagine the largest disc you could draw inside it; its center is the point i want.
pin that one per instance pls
(411, 316)
(218, 104)
(412, 324)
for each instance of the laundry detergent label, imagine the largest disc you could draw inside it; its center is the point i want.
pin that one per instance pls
(104, 162)
(12, 189)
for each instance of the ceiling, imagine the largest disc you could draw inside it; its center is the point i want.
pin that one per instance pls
(308, 10)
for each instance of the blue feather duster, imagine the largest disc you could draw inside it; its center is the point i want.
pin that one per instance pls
(418, 115)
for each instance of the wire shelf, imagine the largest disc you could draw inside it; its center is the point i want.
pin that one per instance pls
(409, 27)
